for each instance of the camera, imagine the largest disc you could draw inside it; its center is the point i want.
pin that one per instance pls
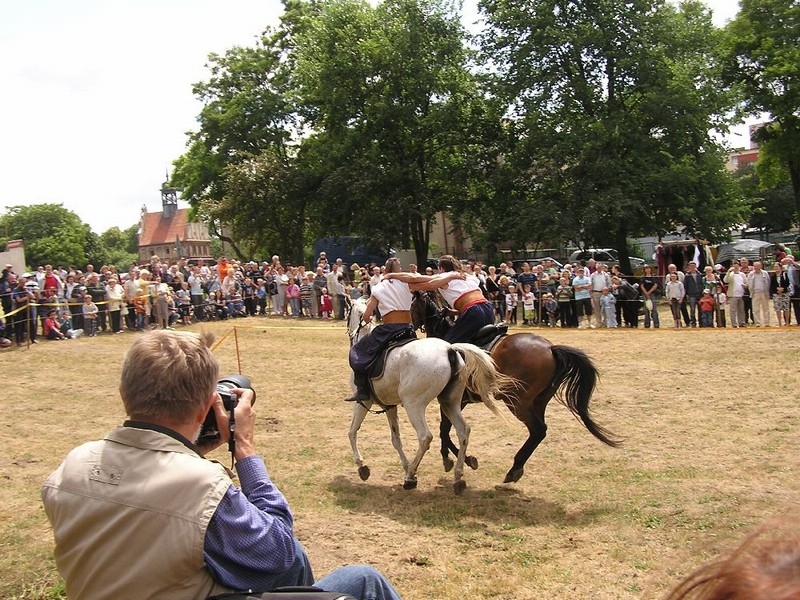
(210, 430)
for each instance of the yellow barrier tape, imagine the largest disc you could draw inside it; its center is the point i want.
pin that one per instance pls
(222, 339)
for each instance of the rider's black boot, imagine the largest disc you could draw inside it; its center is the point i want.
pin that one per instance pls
(362, 389)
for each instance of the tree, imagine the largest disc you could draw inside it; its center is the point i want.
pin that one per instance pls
(762, 51)
(121, 247)
(52, 235)
(610, 106)
(247, 121)
(388, 97)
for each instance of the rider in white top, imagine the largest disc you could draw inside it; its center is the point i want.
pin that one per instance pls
(392, 297)
(458, 287)
(461, 291)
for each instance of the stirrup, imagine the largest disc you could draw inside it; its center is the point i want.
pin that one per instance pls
(358, 396)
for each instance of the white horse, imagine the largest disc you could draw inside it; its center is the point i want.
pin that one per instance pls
(415, 374)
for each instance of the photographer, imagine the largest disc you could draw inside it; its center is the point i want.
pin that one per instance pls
(142, 514)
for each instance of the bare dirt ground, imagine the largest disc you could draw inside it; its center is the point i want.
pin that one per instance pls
(710, 420)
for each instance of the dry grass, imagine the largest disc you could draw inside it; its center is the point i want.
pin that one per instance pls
(710, 418)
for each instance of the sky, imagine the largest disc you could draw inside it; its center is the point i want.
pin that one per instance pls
(97, 95)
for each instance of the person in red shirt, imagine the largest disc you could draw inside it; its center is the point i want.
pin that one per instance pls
(52, 328)
(52, 281)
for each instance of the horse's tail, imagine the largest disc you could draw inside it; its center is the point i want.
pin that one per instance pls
(480, 373)
(576, 372)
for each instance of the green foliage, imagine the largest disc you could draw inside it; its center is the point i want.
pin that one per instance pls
(762, 52)
(52, 234)
(389, 97)
(611, 106)
(247, 122)
(771, 206)
(55, 235)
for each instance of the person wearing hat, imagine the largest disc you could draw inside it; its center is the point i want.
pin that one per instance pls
(707, 305)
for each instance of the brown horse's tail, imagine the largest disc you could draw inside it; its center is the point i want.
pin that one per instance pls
(576, 372)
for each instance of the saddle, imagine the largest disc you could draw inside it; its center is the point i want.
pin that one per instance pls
(487, 336)
(376, 367)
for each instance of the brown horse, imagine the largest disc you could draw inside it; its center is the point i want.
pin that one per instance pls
(543, 370)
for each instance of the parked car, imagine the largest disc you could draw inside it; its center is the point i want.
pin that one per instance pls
(533, 261)
(607, 256)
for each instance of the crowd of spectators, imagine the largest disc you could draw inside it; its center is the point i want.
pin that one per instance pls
(62, 304)
(591, 295)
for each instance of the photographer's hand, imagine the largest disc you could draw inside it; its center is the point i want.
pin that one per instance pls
(222, 419)
(245, 416)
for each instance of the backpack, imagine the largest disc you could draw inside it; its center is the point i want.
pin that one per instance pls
(272, 288)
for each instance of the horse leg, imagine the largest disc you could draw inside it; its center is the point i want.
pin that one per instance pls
(359, 413)
(448, 446)
(453, 411)
(416, 415)
(537, 430)
(394, 427)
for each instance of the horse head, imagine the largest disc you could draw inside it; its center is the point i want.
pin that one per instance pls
(355, 329)
(428, 316)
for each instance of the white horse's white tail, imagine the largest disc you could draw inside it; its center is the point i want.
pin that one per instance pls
(482, 377)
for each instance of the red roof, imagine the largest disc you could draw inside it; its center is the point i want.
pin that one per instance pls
(157, 230)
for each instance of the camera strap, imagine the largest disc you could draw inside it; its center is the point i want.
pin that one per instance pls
(231, 432)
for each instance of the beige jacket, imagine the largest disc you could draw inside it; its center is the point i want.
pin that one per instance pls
(129, 515)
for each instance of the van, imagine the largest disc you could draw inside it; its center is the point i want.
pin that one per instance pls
(607, 256)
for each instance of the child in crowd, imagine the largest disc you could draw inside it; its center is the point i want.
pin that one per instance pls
(173, 314)
(722, 304)
(140, 310)
(325, 304)
(237, 307)
(707, 304)
(66, 326)
(608, 308)
(306, 289)
(564, 297)
(89, 316)
(551, 309)
(511, 304)
(184, 300)
(528, 305)
(52, 328)
(674, 293)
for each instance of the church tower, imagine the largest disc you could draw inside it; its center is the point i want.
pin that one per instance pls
(169, 200)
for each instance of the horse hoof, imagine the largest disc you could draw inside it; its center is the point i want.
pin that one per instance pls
(363, 472)
(448, 464)
(409, 484)
(459, 487)
(471, 462)
(513, 476)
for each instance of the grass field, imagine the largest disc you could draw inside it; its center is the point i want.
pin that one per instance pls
(710, 419)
